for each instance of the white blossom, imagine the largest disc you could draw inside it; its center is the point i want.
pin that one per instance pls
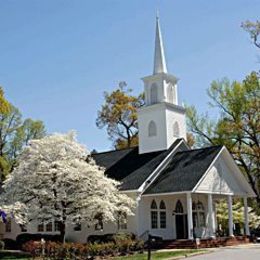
(56, 179)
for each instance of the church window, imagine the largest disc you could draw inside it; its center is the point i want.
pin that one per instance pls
(154, 215)
(198, 214)
(57, 225)
(162, 215)
(152, 130)
(23, 228)
(41, 227)
(77, 227)
(49, 227)
(176, 129)
(122, 220)
(154, 94)
(170, 93)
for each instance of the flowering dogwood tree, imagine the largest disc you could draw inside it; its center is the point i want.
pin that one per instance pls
(56, 179)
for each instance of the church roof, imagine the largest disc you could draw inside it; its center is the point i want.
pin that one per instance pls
(184, 171)
(130, 167)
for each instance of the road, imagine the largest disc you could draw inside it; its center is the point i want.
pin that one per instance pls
(248, 252)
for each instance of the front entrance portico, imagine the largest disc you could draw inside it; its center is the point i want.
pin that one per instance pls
(185, 215)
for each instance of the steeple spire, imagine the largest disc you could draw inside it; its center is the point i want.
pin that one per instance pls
(159, 58)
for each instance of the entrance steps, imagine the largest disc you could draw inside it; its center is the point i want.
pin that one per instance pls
(203, 243)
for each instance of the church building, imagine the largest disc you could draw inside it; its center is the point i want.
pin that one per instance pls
(175, 187)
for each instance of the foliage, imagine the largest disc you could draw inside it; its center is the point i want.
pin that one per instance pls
(4, 104)
(253, 28)
(26, 237)
(238, 125)
(10, 244)
(119, 116)
(56, 179)
(56, 250)
(238, 214)
(15, 133)
(109, 237)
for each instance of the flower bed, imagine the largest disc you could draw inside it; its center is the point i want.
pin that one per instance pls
(56, 250)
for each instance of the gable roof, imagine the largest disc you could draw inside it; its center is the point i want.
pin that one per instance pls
(184, 171)
(130, 167)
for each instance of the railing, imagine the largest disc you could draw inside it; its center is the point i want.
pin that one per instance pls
(144, 236)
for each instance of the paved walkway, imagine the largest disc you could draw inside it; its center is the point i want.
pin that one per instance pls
(245, 252)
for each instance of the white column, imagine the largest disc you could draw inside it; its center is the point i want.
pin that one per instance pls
(246, 218)
(189, 213)
(211, 217)
(230, 217)
(138, 215)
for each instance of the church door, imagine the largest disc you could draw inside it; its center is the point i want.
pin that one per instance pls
(180, 221)
(181, 226)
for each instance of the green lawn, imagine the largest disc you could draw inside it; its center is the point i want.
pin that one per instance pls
(161, 255)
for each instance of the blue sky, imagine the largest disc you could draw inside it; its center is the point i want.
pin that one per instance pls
(58, 56)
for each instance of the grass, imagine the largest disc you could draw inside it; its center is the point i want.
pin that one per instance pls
(166, 255)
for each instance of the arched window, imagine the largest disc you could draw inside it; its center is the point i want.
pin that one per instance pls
(179, 207)
(170, 93)
(153, 205)
(154, 215)
(198, 214)
(162, 215)
(176, 129)
(154, 94)
(162, 205)
(152, 130)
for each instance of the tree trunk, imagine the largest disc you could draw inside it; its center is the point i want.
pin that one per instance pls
(62, 231)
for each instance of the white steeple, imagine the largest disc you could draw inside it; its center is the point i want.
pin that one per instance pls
(159, 58)
(161, 121)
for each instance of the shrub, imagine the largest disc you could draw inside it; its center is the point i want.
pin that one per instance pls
(25, 237)
(10, 244)
(2, 245)
(57, 250)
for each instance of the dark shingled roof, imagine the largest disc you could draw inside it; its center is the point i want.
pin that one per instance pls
(184, 170)
(130, 167)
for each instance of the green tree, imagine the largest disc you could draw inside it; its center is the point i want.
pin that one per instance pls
(118, 115)
(14, 135)
(253, 28)
(4, 104)
(238, 124)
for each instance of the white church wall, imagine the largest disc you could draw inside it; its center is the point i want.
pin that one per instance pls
(145, 116)
(173, 116)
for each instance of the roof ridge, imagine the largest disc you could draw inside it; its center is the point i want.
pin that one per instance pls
(111, 151)
(202, 148)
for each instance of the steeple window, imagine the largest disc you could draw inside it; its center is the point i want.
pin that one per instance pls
(152, 129)
(170, 93)
(154, 94)
(176, 129)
